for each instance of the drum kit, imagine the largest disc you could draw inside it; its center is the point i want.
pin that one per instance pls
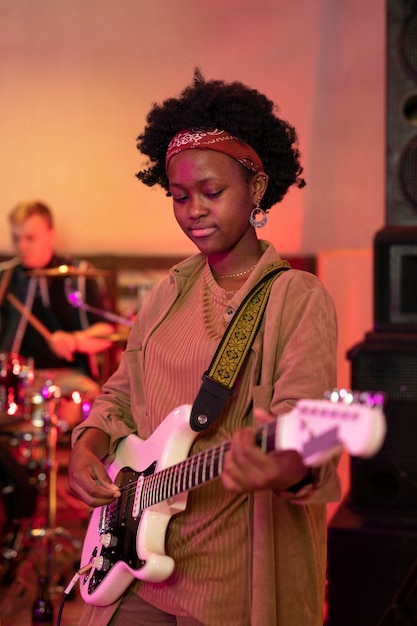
(36, 407)
(33, 416)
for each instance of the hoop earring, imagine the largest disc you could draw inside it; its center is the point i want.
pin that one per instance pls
(258, 218)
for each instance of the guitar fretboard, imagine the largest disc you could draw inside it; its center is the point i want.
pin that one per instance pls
(189, 474)
(195, 470)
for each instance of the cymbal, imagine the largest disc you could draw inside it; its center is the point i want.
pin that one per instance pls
(67, 271)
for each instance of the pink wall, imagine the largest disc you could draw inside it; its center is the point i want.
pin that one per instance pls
(77, 79)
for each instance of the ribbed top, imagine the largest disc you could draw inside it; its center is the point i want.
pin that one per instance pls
(209, 542)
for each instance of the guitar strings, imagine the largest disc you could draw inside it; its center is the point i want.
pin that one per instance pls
(207, 460)
(202, 462)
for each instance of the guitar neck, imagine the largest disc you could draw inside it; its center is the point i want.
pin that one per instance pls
(317, 429)
(196, 470)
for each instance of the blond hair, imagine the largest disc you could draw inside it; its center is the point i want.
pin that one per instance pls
(21, 212)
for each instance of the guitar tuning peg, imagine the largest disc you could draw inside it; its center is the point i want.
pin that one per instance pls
(347, 396)
(333, 395)
(340, 395)
(372, 398)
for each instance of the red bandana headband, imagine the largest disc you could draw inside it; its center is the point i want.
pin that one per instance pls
(218, 140)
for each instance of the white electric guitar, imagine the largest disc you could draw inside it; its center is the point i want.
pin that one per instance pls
(126, 538)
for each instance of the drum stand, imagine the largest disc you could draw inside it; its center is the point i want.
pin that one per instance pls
(43, 540)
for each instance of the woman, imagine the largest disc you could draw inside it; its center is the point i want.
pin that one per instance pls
(249, 549)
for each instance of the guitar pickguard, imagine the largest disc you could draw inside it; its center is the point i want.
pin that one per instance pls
(118, 528)
(135, 526)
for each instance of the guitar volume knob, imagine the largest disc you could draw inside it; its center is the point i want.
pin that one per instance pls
(108, 540)
(101, 563)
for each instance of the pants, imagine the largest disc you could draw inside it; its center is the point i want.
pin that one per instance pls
(136, 612)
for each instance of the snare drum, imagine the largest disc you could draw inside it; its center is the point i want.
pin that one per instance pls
(77, 394)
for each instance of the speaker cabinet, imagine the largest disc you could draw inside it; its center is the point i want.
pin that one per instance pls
(385, 486)
(395, 277)
(368, 565)
(401, 106)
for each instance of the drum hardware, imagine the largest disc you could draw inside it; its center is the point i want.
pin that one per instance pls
(67, 271)
(75, 299)
(19, 494)
(39, 547)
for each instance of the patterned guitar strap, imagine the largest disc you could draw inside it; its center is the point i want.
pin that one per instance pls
(220, 378)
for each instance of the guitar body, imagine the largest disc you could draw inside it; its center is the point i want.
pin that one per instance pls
(126, 538)
(122, 542)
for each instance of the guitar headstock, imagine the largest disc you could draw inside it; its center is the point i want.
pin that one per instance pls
(353, 420)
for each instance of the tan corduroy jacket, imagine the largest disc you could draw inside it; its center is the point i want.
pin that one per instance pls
(293, 356)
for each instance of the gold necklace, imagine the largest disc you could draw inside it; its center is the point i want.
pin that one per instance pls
(239, 273)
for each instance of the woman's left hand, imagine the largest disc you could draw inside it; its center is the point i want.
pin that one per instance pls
(247, 468)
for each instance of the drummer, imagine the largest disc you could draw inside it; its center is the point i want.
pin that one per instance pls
(64, 339)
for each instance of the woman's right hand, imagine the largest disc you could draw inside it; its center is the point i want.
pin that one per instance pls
(87, 476)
